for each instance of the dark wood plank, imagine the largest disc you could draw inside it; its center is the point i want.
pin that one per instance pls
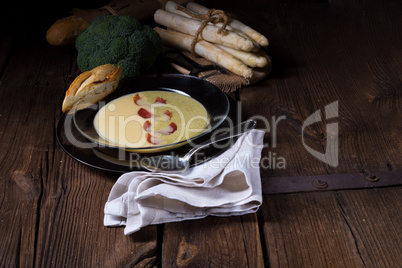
(325, 53)
(52, 205)
(7, 39)
(334, 229)
(71, 230)
(20, 193)
(25, 114)
(307, 230)
(213, 242)
(374, 219)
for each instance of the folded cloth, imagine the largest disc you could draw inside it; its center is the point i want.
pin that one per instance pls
(229, 184)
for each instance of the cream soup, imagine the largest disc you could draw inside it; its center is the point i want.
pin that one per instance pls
(150, 118)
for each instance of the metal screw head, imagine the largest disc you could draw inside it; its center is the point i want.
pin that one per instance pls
(372, 178)
(319, 184)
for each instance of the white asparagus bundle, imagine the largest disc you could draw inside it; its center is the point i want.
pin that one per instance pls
(260, 59)
(210, 33)
(236, 24)
(206, 50)
(171, 7)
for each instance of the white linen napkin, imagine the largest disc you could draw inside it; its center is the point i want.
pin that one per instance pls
(229, 184)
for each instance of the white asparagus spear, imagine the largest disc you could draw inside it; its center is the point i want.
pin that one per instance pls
(259, 59)
(253, 34)
(210, 32)
(171, 7)
(204, 49)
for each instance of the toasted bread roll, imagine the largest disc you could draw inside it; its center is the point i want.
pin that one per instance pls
(92, 86)
(65, 31)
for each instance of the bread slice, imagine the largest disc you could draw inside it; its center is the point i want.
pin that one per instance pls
(92, 86)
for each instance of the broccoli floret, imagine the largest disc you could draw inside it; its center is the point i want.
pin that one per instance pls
(119, 40)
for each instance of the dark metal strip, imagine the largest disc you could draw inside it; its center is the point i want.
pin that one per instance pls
(276, 185)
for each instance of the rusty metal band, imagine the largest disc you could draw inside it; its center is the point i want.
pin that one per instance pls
(330, 182)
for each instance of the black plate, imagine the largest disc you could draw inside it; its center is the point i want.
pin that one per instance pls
(121, 161)
(208, 95)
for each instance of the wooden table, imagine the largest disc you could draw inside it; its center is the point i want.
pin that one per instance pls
(51, 206)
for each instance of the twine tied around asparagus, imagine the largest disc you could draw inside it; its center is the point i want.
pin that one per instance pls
(213, 15)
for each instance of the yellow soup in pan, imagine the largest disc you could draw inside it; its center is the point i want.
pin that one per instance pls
(150, 119)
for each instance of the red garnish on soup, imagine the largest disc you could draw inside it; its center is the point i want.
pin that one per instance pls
(160, 100)
(144, 113)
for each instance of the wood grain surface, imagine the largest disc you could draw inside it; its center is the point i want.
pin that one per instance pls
(51, 206)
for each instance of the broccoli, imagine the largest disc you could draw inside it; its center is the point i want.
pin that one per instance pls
(119, 40)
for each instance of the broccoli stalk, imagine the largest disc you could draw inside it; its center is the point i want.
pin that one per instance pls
(118, 40)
